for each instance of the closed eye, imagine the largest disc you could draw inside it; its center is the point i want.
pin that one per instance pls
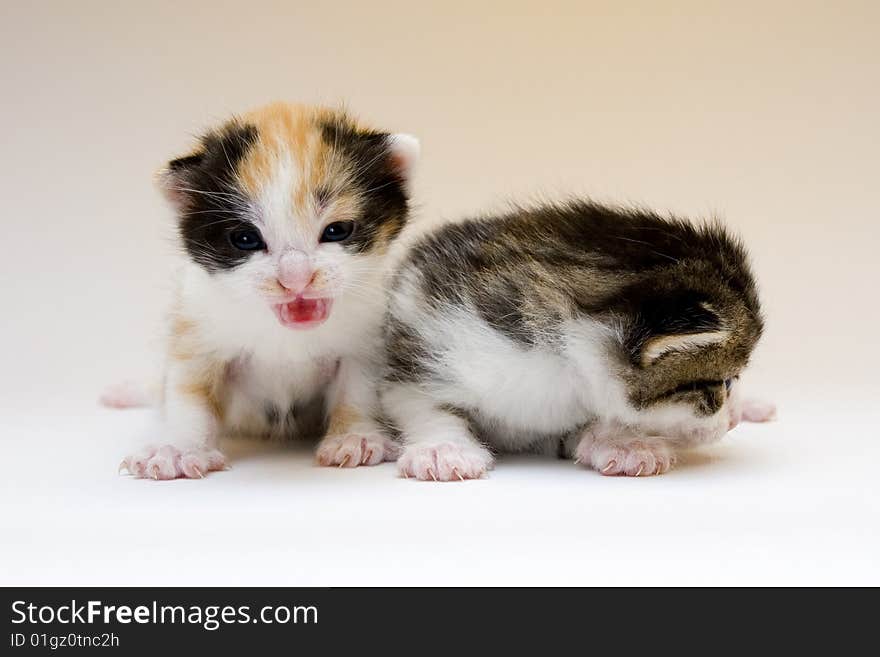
(694, 386)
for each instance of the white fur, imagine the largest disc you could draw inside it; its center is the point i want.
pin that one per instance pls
(405, 149)
(520, 396)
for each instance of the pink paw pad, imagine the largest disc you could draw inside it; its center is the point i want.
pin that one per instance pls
(169, 462)
(445, 462)
(354, 449)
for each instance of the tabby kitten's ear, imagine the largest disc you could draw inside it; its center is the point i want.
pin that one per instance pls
(661, 345)
(679, 324)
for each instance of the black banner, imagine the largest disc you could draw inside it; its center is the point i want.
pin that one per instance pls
(146, 620)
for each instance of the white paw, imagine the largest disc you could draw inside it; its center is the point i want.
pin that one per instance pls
(169, 462)
(445, 461)
(758, 410)
(636, 458)
(353, 449)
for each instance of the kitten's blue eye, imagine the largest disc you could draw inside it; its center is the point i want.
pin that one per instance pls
(246, 239)
(727, 384)
(337, 231)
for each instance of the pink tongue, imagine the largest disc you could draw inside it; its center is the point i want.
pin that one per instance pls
(303, 310)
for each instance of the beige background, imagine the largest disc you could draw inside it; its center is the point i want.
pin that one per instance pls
(765, 113)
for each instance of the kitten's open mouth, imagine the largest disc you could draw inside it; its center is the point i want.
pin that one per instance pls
(303, 313)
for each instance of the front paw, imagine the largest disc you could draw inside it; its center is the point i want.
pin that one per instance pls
(636, 458)
(758, 410)
(350, 450)
(445, 461)
(170, 462)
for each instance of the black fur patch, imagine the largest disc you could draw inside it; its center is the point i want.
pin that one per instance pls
(213, 206)
(454, 269)
(385, 202)
(187, 162)
(501, 307)
(656, 312)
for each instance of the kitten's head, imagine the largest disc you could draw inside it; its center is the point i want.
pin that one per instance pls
(687, 348)
(294, 204)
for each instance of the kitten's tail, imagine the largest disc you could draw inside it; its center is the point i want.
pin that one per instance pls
(130, 394)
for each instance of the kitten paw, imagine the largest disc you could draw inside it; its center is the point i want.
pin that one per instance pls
(758, 410)
(445, 461)
(639, 458)
(353, 449)
(169, 462)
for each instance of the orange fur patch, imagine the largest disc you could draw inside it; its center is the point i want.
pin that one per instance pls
(272, 286)
(384, 236)
(342, 419)
(181, 343)
(294, 133)
(204, 386)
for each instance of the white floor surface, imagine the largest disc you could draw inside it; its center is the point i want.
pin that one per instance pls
(781, 503)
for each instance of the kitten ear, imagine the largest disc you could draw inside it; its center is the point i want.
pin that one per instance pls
(680, 323)
(661, 345)
(171, 178)
(404, 153)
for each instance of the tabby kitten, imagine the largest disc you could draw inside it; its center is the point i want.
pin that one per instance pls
(614, 337)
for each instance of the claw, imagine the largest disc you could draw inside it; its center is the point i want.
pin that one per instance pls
(405, 476)
(577, 461)
(367, 457)
(123, 466)
(431, 472)
(610, 466)
(155, 471)
(641, 467)
(198, 472)
(457, 474)
(345, 460)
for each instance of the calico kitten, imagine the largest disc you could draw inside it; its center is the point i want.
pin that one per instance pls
(615, 337)
(286, 214)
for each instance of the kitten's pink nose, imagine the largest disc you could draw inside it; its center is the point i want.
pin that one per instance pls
(295, 271)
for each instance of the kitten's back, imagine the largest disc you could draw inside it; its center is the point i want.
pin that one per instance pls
(668, 288)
